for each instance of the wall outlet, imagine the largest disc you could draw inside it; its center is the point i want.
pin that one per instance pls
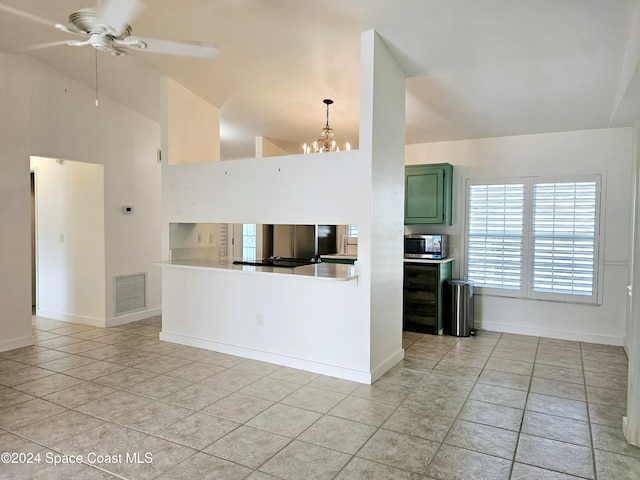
(260, 319)
(211, 236)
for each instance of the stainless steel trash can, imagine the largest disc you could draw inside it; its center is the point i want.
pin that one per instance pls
(459, 308)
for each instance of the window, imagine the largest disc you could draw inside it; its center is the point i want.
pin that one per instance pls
(564, 231)
(353, 230)
(496, 229)
(535, 238)
(249, 242)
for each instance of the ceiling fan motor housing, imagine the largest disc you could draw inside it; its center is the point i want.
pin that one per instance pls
(85, 21)
(101, 37)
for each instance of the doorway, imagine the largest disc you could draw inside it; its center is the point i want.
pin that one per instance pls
(68, 241)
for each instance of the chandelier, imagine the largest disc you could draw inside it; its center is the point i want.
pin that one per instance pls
(326, 142)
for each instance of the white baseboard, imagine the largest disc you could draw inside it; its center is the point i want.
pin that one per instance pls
(549, 333)
(133, 317)
(278, 359)
(14, 343)
(384, 366)
(99, 322)
(67, 317)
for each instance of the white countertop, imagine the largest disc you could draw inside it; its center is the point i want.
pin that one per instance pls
(339, 256)
(324, 271)
(428, 260)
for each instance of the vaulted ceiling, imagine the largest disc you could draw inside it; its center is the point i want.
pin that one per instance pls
(474, 68)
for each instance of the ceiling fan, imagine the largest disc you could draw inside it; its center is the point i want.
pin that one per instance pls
(108, 29)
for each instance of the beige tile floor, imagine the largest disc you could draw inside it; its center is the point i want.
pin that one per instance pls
(496, 406)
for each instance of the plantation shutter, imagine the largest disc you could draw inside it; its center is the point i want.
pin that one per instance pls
(495, 235)
(564, 237)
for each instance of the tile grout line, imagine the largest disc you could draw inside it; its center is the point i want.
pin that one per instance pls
(465, 401)
(466, 398)
(379, 427)
(524, 410)
(586, 398)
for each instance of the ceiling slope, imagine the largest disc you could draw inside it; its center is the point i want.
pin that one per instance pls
(474, 69)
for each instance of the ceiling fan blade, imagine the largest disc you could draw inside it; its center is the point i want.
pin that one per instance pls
(69, 29)
(56, 44)
(78, 43)
(185, 49)
(26, 15)
(117, 14)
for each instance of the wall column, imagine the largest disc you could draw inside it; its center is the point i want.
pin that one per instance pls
(382, 139)
(631, 424)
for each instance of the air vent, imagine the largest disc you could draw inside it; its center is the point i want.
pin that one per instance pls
(130, 293)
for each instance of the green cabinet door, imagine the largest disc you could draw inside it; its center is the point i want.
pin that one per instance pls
(428, 190)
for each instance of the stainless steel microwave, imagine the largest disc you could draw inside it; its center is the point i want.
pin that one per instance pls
(426, 246)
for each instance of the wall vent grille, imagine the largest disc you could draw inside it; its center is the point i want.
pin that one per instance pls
(130, 293)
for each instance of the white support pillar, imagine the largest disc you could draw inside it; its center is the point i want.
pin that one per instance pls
(382, 138)
(631, 423)
(627, 106)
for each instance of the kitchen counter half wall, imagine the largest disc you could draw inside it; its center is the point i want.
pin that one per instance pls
(310, 317)
(321, 271)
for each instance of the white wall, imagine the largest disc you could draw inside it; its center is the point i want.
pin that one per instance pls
(593, 151)
(184, 244)
(53, 116)
(191, 126)
(222, 307)
(70, 240)
(632, 341)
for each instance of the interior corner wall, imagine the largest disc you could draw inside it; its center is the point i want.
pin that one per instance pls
(191, 126)
(607, 151)
(54, 116)
(266, 148)
(382, 136)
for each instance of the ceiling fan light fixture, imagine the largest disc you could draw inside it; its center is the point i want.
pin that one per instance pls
(101, 42)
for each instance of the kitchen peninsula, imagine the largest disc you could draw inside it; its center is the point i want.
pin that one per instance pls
(297, 317)
(346, 325)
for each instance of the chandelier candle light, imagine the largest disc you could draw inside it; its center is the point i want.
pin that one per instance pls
(325, 143)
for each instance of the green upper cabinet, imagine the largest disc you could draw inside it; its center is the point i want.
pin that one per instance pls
(427, 194)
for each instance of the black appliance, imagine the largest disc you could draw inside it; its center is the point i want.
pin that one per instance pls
(275, 262)
(291, 246)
